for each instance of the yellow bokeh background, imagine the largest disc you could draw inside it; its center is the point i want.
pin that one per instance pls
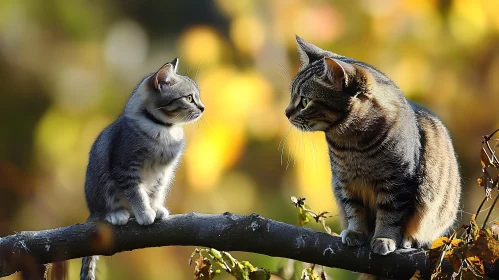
(66, 71)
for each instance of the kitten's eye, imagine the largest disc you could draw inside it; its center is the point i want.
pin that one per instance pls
(304, 102)
(189, 98)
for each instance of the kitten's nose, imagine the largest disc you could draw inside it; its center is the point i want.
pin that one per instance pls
(201, 108)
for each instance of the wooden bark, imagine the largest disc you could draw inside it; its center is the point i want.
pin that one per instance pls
(227, 232)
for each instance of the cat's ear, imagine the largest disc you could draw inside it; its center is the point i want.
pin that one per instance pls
(338, 73)
(308, 52)
(161, 79)
(341, 74)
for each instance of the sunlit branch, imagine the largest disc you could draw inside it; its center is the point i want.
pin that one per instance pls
(227, 232)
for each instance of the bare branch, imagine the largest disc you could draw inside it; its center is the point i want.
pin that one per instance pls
(227, 232)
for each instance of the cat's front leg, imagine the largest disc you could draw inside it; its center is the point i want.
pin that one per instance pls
(390, 213)
(356, 216)
(139, 202)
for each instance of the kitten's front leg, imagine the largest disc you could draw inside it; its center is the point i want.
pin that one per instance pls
(139, 202)
(157, 197)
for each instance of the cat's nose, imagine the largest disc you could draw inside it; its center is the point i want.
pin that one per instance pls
(201, 108)
(288, 112)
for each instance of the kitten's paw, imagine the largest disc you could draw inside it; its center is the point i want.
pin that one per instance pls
(383, 246)
(162, 212)
(145, 217)
(352, 237)
(118, 217)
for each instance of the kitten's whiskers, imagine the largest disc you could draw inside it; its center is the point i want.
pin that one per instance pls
(204, 119)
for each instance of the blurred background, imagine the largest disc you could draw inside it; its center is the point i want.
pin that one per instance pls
(68, 67)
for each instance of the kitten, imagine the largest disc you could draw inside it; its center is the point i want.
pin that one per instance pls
(395, 173)
(132, 162)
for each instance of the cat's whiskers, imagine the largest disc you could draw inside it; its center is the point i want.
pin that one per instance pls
(289, 153)
(310, 139)
(302, 143)
(292, 153)
(284, 73)
(283, 140)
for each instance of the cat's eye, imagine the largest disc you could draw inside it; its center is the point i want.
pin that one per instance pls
(305, 101)
(189, 98)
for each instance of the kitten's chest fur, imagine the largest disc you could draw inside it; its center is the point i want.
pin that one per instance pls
(165, 153)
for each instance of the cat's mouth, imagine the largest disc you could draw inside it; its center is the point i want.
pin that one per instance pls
(307, 126)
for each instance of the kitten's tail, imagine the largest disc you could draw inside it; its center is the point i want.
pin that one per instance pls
(88, 265)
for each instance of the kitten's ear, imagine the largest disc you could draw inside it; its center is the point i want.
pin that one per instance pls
(337, 72)
(175, 64)
(162, 78)
(308, 52)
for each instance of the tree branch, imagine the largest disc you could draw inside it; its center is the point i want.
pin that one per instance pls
(227, 232)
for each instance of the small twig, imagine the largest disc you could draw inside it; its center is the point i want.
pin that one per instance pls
(490, 212)
(480, 207)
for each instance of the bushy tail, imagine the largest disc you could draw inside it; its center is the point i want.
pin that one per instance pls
(88, 265)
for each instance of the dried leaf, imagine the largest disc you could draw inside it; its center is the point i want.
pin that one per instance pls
(416, 276)
(473, 229)
(439, 242)
(303, 217)
(298, 202)
(202, 270)
(477, 264)
(454, 261)
(494, 230)
(486, 248)
(309, 274)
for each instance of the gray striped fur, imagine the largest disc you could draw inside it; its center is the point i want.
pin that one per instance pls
(395, 173)
(132, 162)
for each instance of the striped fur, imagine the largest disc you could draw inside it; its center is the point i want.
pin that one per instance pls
(132, 162)
(395, 173)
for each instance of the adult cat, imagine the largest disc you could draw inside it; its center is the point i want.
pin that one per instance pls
(395, 173)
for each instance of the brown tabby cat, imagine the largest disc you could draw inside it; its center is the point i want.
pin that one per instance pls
(395, 174)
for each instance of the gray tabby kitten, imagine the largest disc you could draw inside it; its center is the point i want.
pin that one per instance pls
(395, 173)
(132, 162)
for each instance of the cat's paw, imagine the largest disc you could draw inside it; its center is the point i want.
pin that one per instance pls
(145, 217)
(118, 217)
(161, 212)
(409, 242)
(353, 237)
(383, 246)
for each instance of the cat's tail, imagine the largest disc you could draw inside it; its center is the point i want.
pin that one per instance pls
(88, 266)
